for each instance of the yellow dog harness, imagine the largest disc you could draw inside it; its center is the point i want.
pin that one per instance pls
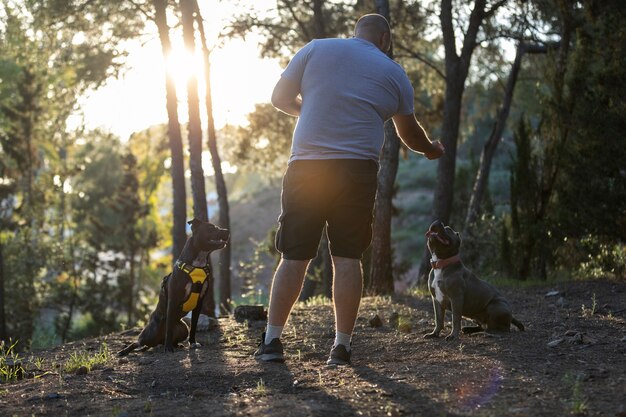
(197, 276)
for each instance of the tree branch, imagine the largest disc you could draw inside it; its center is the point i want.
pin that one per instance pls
(469, 41)
(301, 24)
(494, 8)
(140, 9)
(447, 29)
(422, 59)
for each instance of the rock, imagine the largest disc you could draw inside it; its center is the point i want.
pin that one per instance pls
(552, 293)
(376, 321)
(560, 302)
(423, 322)
(577, 339)
(154, 383)
(122, 361)
(393, 319)
(555, 343)
(206, 323)
(83, 370)
(249, 312)
(571, 333)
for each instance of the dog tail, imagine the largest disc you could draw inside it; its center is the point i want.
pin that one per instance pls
(128, 349)
(517, 323)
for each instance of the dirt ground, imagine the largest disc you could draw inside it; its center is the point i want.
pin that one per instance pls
(570, 360)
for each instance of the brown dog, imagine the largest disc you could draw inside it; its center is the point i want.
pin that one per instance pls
(182, 291)
(454, 287)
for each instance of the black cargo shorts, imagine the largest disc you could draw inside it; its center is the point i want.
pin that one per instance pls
(339, 193)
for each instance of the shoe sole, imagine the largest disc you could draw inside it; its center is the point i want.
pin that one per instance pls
(336, 362)
(271, 357)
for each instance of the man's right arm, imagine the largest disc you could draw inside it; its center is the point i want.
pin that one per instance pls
(414, 136)
(285, 97)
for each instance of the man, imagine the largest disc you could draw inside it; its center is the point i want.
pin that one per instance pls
(347, 89)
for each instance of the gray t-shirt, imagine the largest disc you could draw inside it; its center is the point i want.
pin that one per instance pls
(348, 88)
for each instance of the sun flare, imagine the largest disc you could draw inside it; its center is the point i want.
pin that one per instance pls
(240, 78)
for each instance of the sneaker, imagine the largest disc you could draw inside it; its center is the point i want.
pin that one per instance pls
(339, 355)
(272, 352)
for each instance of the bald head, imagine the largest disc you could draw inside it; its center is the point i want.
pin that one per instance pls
(374, 28)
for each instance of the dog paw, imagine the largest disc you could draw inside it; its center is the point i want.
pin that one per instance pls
(169, 349)
(194, 345)
(432, 335)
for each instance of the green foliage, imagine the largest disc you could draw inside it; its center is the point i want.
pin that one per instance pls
(293, 25)
(592, 183)
(51, 53)
(577, 402)
(10, 362)
(263, 145)
(79, 359)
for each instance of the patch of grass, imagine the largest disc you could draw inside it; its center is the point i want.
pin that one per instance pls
(10, 362)
(405, 325)
(577, 403)
(80, 359)
(419, 291)
(261, 389)
(318, 300)
(590, 311)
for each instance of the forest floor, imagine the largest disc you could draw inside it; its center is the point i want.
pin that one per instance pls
(570, 360)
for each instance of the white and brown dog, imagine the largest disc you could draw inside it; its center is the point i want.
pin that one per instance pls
(454, 287)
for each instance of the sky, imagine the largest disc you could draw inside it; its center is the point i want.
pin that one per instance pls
(136, 100)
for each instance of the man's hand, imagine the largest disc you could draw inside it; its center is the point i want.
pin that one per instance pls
(437, 151)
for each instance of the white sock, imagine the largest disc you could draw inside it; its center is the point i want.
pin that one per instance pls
(343, 339)
(273, 332)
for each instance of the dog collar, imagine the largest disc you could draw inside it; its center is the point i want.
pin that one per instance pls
(442, 263)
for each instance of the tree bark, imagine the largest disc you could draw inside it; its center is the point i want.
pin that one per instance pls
(381, 272)
(177, 169)
(194, 128)
(457, 67)
(220, 183)
(323, 258)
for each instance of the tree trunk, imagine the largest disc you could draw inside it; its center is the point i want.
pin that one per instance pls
(323, 253)
(177, 169)
(327, 272)
(482, 176)
(220, 183)
(3, 320)
(131, 287)
(194, 128)
(457, 68)
(381, 274)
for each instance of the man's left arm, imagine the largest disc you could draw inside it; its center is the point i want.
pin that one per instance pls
(285, 97)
